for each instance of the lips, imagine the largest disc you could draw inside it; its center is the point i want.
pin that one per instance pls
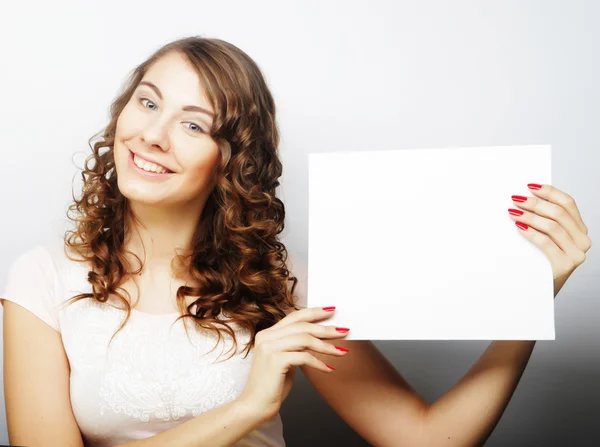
(146, 158)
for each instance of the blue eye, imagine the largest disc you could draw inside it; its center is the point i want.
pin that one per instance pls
(146, 99)
(200, 130)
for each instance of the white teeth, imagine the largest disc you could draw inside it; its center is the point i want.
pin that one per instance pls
(147, 166)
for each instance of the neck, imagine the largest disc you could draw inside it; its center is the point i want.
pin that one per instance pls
(157, 235)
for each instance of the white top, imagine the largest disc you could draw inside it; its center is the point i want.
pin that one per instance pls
(152, 378)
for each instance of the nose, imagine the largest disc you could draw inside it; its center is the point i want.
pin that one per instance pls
(156, 134)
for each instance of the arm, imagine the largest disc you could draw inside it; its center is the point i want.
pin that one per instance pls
(220, 427)
(378, 403)
(38, 406)
(36, 382)
(552, 222)
(370, 395)
(468, 413)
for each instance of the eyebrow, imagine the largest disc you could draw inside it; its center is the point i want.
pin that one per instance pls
(185, 108)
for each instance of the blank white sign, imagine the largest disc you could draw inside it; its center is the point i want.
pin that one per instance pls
(418, 244)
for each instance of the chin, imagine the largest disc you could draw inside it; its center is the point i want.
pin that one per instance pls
(140, 198)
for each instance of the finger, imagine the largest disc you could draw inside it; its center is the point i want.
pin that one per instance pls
(556, 213)
(303, 342)
(559, 259)
(313, 329)
(308, 314)
(558, 197)
(552, 229)
(305, 359)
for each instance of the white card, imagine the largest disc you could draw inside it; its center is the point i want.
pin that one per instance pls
(418, 244)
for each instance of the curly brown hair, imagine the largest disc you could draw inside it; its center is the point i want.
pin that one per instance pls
(236, 255)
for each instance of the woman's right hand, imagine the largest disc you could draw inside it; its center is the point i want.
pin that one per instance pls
(282, 347)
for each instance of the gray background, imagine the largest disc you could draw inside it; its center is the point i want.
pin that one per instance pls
(346, 76)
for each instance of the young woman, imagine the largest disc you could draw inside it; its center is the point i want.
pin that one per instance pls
(167, 316)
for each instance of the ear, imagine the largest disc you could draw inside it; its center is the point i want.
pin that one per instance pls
(297, 264)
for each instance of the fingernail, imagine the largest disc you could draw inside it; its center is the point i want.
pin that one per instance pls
(515, 212)
(521, 225)
(342, 349)
(519, 198)
(342, 329)
(330, 367)
(534, 186)
(329, 308)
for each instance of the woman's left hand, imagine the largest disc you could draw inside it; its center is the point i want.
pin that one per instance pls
(553, 223)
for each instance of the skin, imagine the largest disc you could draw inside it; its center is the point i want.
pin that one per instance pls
(179, 140)
(556, 227)
(170, 209)
(364, 388)
(467, 414)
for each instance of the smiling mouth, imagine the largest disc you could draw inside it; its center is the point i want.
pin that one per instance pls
(158, 169)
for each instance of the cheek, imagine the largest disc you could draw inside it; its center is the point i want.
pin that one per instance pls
(205, 166)
(214, 161)
(127, 124)
(126, 129)
(121, 124)
(121, 154)
(215, 158)
(119, 149)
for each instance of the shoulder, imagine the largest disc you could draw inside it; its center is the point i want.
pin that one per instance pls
(63, 261)
(33, 260)
(45, 264)
(32, 283)
(41, 264)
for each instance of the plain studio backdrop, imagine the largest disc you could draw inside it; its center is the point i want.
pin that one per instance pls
(346, 75)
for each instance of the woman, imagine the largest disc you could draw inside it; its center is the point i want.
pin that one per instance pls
(182, 204)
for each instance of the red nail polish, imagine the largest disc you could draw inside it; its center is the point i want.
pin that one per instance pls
(515, 212)
(342, 329)
(342, 349)
(330, 367)
(534, 186)
(521, 225)
(329, 308)
(519, 198)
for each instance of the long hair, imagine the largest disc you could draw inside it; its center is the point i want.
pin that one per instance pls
(236, 255)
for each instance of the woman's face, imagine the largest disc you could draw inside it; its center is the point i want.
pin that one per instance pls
(166, 124)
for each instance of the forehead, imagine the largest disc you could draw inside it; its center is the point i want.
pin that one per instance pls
(177, 80)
